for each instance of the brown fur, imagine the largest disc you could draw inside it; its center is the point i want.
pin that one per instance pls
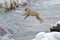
(30, 12)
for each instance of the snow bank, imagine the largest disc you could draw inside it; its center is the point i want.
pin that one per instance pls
(47, 36)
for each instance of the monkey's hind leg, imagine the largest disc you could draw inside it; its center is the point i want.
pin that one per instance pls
(26, 16)
(40, 19)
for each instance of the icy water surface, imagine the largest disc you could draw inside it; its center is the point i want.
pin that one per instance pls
(26, 29)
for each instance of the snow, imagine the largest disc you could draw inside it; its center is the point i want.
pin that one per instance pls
(47, 36)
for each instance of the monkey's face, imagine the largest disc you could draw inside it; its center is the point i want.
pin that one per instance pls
(27, 9)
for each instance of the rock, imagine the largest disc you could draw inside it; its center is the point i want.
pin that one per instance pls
(3, 31)
(56, 27)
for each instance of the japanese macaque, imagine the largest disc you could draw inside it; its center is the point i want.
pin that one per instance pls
(30, 12)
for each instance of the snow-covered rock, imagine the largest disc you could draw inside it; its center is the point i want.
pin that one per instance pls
(47, 36)
(58, 22)
(55, 27)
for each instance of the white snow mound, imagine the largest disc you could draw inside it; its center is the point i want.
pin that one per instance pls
(47, 36)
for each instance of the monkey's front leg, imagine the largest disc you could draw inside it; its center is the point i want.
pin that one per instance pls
(26, 16)
(25, 13)
(41, 20)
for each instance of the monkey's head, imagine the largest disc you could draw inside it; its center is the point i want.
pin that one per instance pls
(27, 9)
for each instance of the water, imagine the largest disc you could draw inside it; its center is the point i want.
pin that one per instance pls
(26, 29)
